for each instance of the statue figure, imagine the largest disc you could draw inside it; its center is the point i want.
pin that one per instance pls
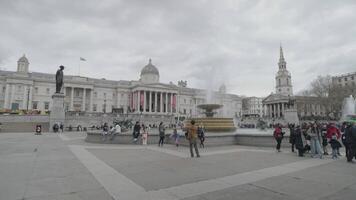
(59, 79)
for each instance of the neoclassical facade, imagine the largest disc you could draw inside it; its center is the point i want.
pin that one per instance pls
(24, 90)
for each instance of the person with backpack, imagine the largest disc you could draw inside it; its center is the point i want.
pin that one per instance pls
(278, 135)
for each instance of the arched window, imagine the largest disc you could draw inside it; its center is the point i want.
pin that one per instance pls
(279, 81)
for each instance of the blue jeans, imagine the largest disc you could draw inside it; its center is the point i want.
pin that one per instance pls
(334, 153)
(315, 147)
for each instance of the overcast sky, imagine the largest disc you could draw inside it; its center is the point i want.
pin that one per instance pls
(207, 43)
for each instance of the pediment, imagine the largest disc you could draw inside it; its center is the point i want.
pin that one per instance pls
(275, 97)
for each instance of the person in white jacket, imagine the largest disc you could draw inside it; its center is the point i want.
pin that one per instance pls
(114, 131)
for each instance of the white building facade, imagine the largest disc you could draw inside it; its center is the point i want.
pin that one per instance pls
(24, 90)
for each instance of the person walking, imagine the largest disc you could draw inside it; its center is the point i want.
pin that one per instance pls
(201, 135)
(175, 136)
(299, 144)
(115, 131)
(278, 135)
(161, 130)
(61, 127)
(292, 135)
(105, 131)
(352, 145)
(192, 137)
(144, 134)
(136, 131)
(324, 139)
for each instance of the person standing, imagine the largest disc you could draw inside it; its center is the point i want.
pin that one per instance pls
(136, 131)
(161, 130)
(144, 134)
(314, 133)
(278, 135)
(105, 130)
(61, 127)
(335, 145)
(192, 137)
(333, 130)
(324, 139)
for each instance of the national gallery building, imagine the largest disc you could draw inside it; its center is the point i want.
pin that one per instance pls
(24, 90)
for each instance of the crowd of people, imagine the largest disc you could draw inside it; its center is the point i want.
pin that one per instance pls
(193, 133)
(314, 139)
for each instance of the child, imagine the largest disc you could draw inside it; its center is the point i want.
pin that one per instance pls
(144, 134)
(335, 145)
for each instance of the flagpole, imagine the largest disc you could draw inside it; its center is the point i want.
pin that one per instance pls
(79, 67)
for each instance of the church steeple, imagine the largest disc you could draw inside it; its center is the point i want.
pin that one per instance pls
(282, 63)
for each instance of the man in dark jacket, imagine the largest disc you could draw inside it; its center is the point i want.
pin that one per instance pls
(352, 151)
(136, 131)
(292, 135)
(299, 141)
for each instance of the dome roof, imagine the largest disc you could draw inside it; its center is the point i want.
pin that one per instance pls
(149, 69)
(23, 59)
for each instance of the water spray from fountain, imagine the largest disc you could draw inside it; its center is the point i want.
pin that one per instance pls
(349, 109)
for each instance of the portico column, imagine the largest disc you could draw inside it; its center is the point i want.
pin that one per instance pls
(171, 100)
(161, 103)
(72, 99)
(84, 99)
(6, 96)
(166, 107)
(279, 109)
(24, 100)
(12, 95)
(30, 98)
(150, 102)
(273, 110)
(138, 101)
(91, 100)
(282, 109)
(144, 101)
(156, 102)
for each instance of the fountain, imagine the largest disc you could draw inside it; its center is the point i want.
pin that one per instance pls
(349, 109)
(211, 123)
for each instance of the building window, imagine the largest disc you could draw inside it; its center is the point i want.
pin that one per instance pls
(95, 95)
(36, 90)
(184, 111)
(19, 88)
(46, 105)
(352, 77)
(3, 89)
(34, 105)
(104, 108)
(345, 78)
(113, 95)
(279, 81)
(185, 101)
(94, 107)
(77, 93)
(47, 90)
(104, 95)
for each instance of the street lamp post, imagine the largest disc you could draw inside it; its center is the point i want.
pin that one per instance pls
(28, 98)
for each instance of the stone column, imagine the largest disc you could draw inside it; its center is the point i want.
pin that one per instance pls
(12, 95)
(283, 109)
(161, 103)
(30, 98)
(150, 102)
(166, 102)
(138, 101)
(84, 98)
(91, 100)
(273, 110)
(72, 99)
(24, 100)
(6, 96)
(144, 101)
(156, 102)
(171, 100)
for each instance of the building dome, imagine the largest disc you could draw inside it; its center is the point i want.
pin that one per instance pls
(150, 74)
(23, 59)
(149, 69)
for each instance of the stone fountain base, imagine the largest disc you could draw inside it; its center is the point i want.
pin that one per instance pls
(214, 124)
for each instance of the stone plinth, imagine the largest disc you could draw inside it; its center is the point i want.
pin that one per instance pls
(57, 114)
(291, 116)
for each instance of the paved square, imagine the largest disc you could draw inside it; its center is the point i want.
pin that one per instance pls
(65, 167)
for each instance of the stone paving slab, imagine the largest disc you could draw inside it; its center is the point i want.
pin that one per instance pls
(54, 167)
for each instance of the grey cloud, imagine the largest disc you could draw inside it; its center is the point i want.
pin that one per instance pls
(235, 41)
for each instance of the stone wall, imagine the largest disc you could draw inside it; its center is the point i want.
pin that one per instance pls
(23, 123)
